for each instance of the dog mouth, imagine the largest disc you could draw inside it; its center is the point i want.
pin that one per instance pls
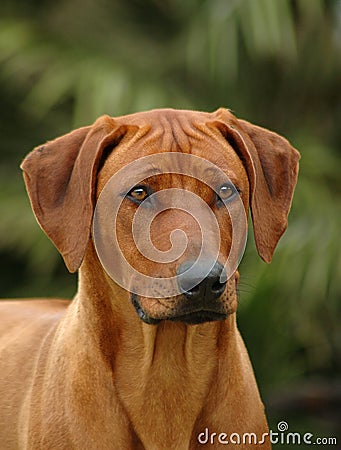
(140, 312)
(189, 317)
(197, 317)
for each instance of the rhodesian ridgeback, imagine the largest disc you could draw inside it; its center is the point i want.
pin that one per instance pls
(158, 366)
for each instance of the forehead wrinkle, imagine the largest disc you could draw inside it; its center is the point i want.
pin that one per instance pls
(169, 180)
(175, 137)
(220, 153)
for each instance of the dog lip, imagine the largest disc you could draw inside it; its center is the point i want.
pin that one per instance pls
(142, 315)
(193, 317)
(197, 317)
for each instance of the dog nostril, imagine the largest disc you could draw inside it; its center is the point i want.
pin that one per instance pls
(218, 287)
(194, 292)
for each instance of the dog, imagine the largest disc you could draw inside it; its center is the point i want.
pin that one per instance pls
(125, 366)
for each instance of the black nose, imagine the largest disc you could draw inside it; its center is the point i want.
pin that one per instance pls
(196, 284)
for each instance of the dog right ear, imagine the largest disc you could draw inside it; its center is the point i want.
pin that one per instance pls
(60, 179)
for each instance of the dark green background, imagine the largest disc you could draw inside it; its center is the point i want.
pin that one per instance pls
(276, 63)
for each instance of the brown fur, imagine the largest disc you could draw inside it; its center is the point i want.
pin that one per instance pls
(89, 374)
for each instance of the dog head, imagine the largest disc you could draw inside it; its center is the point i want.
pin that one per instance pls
(167, 171)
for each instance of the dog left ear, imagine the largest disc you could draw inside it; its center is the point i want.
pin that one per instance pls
(272, 167)
(60, 179)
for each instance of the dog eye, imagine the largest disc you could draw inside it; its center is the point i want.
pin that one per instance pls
(226, 192)
(138, 194)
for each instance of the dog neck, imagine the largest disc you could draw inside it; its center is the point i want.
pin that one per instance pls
(155, 368)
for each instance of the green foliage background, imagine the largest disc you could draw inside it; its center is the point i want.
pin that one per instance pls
(276, 63)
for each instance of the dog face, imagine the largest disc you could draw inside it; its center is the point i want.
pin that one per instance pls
(187, 162)
(202, 297)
